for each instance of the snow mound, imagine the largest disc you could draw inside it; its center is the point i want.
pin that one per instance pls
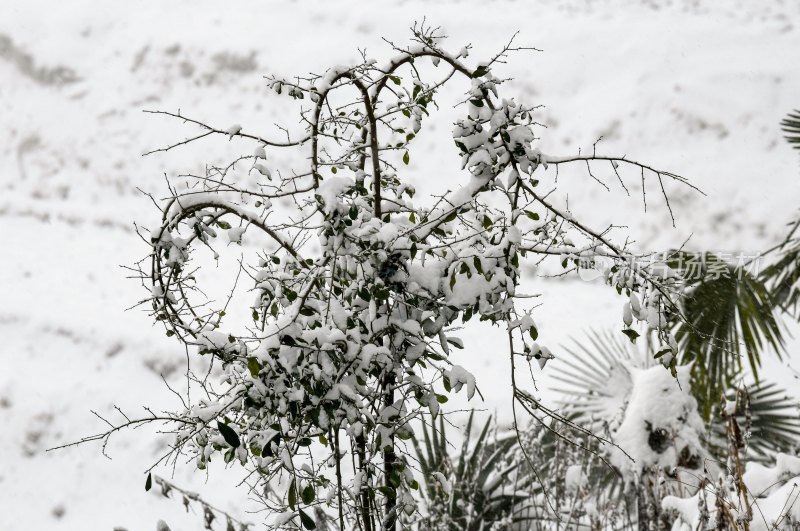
(661, 426)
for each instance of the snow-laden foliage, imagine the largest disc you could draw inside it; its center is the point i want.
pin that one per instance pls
(770, 501)
(486, 486)
(664, 466)
(359, 287)
(660, 425)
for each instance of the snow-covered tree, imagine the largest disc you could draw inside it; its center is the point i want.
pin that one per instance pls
(360, 282)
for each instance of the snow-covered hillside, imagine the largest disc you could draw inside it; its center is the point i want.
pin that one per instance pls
(694, 87)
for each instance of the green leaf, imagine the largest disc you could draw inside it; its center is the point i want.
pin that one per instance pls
(395, 79)
(477, 102)
(308, 494)
(477, 263)
(308, 523)
(254, 366)
(228, 434)
(661, 353)
(482, 70)
(406, 158)
(286, 339)
(632, 334)
(413, 250)
(223, 224)
(267, 450)
(387, 492)
(148, 484)
(533, 333)
(292, 495)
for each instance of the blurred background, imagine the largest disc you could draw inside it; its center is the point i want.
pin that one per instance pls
(696, 88)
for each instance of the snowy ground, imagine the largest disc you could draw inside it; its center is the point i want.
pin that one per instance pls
(694, 87)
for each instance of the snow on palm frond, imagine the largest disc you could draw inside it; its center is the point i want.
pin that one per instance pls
(655, 419)
(648, 413)
(597, 379)
(660, 426)
(594, 376)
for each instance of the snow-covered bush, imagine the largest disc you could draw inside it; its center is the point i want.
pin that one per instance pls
(770, 502)
(634, 450)
(658, 453)
(359, 283)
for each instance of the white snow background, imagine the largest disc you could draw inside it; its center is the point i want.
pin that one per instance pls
(697, 88)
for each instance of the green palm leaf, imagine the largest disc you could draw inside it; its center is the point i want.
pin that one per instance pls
(784, 275)
(775, 423)
(486, 486)
(728, 315)
(791, 126)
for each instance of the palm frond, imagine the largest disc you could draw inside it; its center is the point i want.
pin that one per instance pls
(480, 475)
(728, 316)
(597, 394)
(791, 126)
(784, 275)
(593, 378)
(774, 422)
